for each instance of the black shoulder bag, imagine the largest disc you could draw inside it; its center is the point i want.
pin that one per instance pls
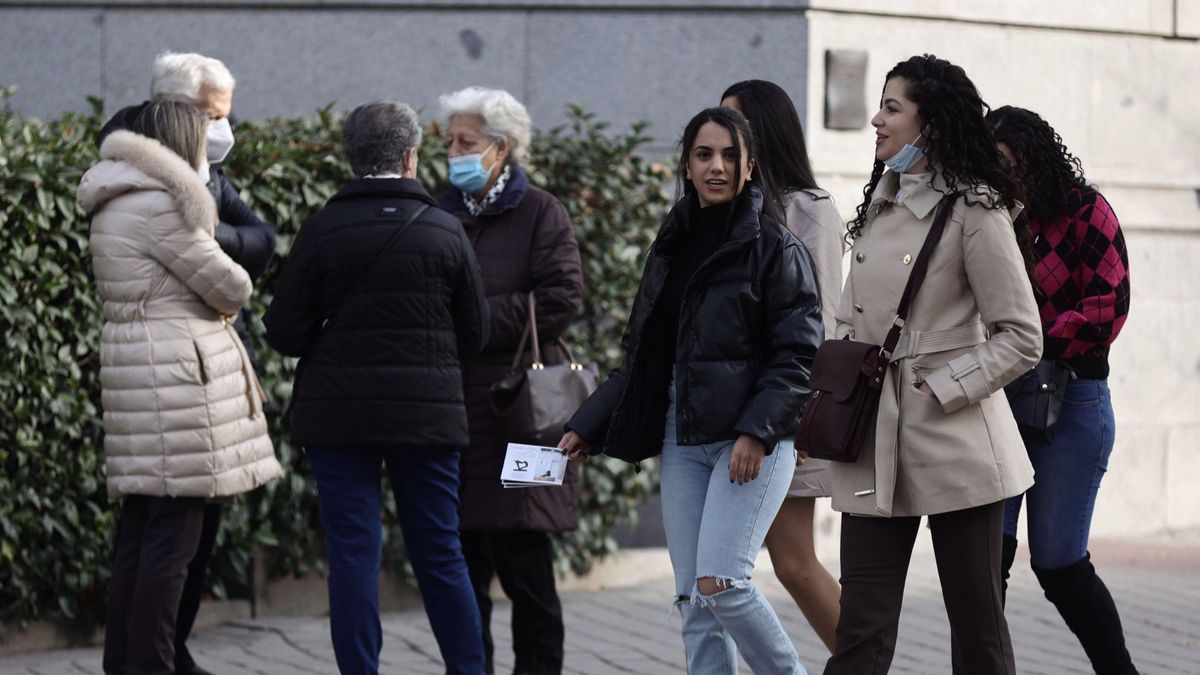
(287, 414)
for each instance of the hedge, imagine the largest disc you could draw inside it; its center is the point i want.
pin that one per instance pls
(56, 523)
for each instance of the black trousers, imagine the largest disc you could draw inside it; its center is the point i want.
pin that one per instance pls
(524, 562)
(156, 539)
(193, 588)
(875, 557)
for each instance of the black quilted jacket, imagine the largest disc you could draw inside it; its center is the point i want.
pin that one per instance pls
(749, 326)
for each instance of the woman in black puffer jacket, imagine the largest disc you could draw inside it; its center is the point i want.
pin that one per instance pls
(718, 351)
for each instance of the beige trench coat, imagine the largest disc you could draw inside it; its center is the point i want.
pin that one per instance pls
(972, 328)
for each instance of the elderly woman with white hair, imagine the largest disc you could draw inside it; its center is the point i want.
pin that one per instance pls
(525, 245)
(382, 299)
(207, 85)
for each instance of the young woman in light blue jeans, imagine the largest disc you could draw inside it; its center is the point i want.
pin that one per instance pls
(718, 351)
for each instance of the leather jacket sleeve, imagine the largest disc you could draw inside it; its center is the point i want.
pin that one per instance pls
(793, 333)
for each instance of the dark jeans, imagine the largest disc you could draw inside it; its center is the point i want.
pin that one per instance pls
(156, 538)
(524, 561)
(193, 588)
(875, 557)
(1067, 472)
(425, 485)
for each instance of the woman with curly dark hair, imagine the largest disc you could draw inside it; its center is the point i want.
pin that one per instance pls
(1082, 283)
(944, 443)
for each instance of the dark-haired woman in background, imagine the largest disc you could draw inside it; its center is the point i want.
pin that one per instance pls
(811, 215)
(944, 443)
(718, 351)
(1082, 283)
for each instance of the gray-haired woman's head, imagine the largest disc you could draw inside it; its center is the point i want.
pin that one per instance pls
(378, 136)
(501, 116)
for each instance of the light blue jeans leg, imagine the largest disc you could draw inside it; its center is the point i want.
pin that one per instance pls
(715, 529)
(685, 474)
(735, 522)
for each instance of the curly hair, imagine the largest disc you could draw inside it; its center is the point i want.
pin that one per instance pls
(961, 145)
(1046, 172)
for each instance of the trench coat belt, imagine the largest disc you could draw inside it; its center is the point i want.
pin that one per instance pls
(916, 343)
(887, 421)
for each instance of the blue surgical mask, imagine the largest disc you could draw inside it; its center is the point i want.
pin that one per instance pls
(908, 156)
(467, 172)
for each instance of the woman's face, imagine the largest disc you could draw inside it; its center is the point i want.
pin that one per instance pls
(466, 137)
(1010, 161)
(731, 102)
(712, 162)
(897, 123)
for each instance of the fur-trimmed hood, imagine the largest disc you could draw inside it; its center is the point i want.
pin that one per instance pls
(132, 162)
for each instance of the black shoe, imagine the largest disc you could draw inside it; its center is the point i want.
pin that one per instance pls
(1086, 605)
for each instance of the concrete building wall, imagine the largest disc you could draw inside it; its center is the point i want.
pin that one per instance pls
(658, 61)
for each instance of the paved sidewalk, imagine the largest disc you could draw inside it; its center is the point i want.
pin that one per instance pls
(627, 631)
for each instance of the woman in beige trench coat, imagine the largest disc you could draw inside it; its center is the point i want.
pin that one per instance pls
(944, 444)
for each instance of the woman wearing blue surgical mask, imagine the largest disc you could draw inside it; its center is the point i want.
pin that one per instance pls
(524, 243)
(943, 444)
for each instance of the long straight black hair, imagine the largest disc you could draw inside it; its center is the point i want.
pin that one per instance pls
(782, 151)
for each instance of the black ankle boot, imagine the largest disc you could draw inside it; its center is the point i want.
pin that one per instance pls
(1086, 605)
(1008, 553)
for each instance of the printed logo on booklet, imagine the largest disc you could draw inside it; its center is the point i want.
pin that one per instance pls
(532, 466)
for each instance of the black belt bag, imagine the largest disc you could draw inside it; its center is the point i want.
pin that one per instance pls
(1036, 398)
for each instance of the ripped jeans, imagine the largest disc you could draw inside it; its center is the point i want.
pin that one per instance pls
(715, 528)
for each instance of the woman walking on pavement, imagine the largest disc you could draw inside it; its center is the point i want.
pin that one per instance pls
(810, 214)
(944, 443)
(1082, 283)
(718, 350)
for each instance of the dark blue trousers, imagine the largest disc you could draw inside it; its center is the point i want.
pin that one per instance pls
(425, 485)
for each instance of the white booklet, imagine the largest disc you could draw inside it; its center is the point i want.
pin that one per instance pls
(532, 466)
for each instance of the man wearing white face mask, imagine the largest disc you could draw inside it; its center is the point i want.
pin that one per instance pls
(208, 85)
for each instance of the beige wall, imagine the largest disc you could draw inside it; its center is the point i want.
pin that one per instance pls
(1120, 85)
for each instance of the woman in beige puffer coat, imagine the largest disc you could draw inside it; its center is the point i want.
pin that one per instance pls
(183, 410)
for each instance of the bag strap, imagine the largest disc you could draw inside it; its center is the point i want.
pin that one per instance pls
(412, 217)
(917, 276)
(531, 329)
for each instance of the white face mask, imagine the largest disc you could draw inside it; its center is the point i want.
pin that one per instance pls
(220, 140)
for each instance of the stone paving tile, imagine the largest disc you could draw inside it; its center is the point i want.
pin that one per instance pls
(631, 631)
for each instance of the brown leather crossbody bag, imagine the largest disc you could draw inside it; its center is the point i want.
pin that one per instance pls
(847, 376)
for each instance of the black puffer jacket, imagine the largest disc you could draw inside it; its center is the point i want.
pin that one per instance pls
(749, 326)
(387, 371)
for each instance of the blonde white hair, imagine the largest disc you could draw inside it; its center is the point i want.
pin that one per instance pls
(503, 116)
(184, 75)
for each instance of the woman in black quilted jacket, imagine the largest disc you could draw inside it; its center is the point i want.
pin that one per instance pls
(718, 350)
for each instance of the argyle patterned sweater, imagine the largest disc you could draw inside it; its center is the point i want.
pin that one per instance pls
(1083, 269)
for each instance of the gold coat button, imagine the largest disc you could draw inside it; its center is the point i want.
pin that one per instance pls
(907, 259)
(860, 257)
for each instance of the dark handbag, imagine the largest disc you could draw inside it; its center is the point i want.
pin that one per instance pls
(1037, 397)
(847, 376)
(300, 366)
(532, 404)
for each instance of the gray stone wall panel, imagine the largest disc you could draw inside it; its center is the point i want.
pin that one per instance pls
(54, 57)
(291, 62)
(658, 66)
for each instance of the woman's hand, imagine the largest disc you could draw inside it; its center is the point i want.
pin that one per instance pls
(574, 447)
(746, 460)
(925, 388)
